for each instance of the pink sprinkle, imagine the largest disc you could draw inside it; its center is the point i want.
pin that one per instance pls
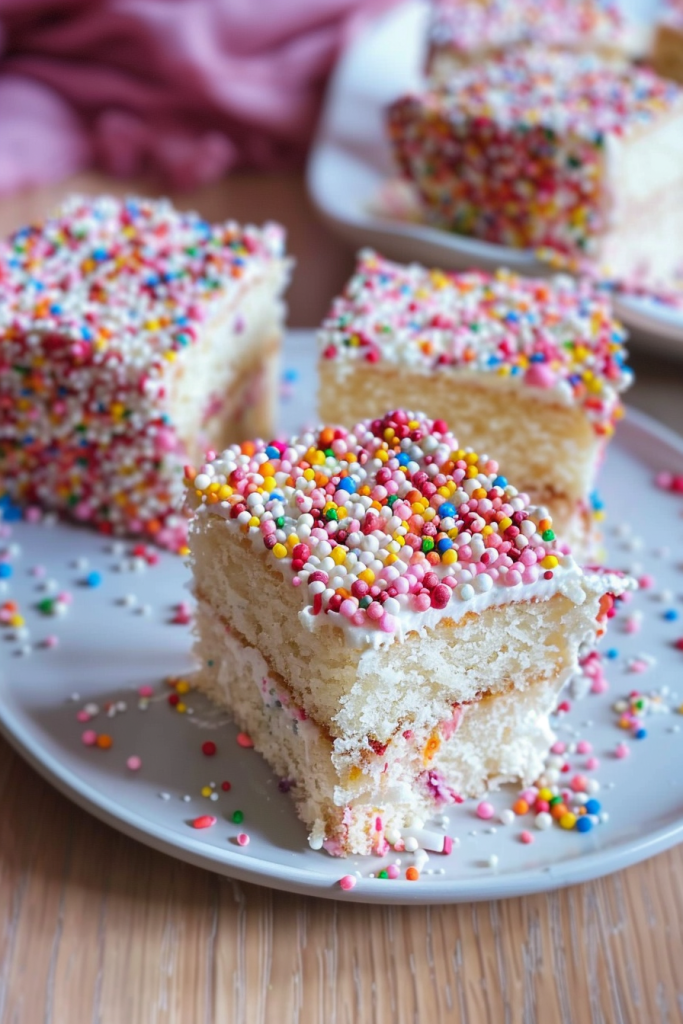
(526, 837)
(583, 747)
(529, 794)
(243, 839)
(579, 783)
(592, 763)
(637, 665)
(65, 597)
(33, 514)
(244, 740)
(558, 747)
(83, 716)
(38, 570)
(393, 871)
(399, 846)
(347, 882)
(646, 581)
(134, 763)
(622, 750)
(599, 685)
(539, 375)
(51, 641)
(632, 624)
(485, 810)
(89, 737)
(146, 691)
(664, 480)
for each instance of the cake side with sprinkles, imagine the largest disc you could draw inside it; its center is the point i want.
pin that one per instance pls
(553, 151)
(132, 336)
(530, 369)
(384, 579)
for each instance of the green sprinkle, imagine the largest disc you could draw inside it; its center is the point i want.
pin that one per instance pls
(238, 817)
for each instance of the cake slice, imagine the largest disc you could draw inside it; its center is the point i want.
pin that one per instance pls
(386, 616)
(556, 152)
(133, 338)
(667, 50)
(468, 32)
(531, 370)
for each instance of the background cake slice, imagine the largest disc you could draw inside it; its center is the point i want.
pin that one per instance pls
(553, 151)
(133, 338)
(667, 50)
(386, 616)
(465, 32)
(529, 369)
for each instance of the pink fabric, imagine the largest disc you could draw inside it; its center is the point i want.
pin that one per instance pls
(185, 89)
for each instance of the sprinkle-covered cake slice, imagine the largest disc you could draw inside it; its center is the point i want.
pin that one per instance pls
(386, 616)
(467, 32)
(553, 151)
(667, 52)
(133, 338)
(529, 369)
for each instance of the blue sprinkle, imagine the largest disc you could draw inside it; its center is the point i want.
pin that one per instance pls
(593, 806)
(272, 453)
(640, 734)
(290, 376)
(500, 481)
(94, 578)
(276, 496)
(444, 544)
(612, 653)
(447, 511)
(348, 485)
(403, 459)
(584, 823)
(9, 512)
(5, 570)
(671, 615)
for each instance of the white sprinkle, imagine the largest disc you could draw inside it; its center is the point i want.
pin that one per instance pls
(493, 861)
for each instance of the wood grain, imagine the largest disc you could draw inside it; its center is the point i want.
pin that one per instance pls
(98, 929)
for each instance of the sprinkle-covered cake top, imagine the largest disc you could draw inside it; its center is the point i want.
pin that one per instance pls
(468, 26)
(556, 336)
(561, 92)
(133, 276)
(388, 527)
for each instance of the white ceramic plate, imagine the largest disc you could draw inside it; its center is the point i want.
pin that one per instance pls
(108, 649)
(351, 162)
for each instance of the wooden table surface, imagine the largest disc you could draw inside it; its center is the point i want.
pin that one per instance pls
(98, 929)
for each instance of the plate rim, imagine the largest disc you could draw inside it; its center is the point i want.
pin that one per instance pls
(667, 334)
(256, 870)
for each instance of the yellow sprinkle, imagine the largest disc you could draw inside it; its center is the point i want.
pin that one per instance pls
(367, 576)
(181, 708)
(280, 551)
(182, 686)
(449, 557)
(568, 820)
(549, 562)
(206, 791)
(254, 521)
